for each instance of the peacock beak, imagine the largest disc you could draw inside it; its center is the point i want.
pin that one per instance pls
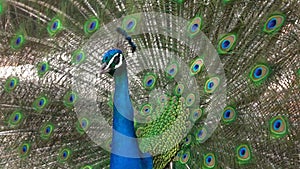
(104, 68)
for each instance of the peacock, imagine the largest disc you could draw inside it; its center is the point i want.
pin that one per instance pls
(169, 84)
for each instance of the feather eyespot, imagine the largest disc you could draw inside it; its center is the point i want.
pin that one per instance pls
(91, 25)
(274, 23)
(146, 109)
(46, 131)
(195, 115)
(15, 118)
(185, 156)
(64, 155)
(40, 103)
(70, 98)
(229, 115)
(83, 125)
(209, 160)
(259, 73)
(54, 26)
(243, 153)
(24, 150)
(227, 43)
(194, 27)
(211, 84)
(43, 68)
(196, 66)
(179, 89)
(278, 126)
(129, 23)
(149, 81)
(190, 99)
(201, 134)
(11, 84)
(17, 41)
(172, 70)
(78, 57)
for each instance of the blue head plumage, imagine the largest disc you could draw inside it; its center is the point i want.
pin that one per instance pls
(111, 60)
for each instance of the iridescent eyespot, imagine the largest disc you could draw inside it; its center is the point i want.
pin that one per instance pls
(40, 103)
(43, 68)
(179, 89)
(129, 23)
(46, 131)
(229, 115)
(149, 81)
(196, 66)
(211, 84)
(190, 99)
(178, 155)
(278, 126)
(188, 140)
(17, 41)
(243, 153)
(11, 84)
(146, 109)
(194, 26)
(163, 99)
(274, 23)
(70, 99)
(201, 134)
(185, 156)
(15, 118)
(195, 115)
(64, 155)
(172, 70)
(209, 160)
(78, 57)
(24, 150)
(54, 26)
(91, 25)
(227, 43)
(83, 125)
(259, 73)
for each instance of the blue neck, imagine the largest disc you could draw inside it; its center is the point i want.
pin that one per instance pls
(125, 150)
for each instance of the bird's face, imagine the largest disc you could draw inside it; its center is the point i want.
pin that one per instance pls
(111, 61)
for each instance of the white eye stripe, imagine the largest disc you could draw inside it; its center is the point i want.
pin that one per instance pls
(120, 62)
(111, 60)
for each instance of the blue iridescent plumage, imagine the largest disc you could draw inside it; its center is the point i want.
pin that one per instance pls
(124, 137)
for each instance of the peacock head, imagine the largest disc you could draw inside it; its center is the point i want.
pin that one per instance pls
(111, 61)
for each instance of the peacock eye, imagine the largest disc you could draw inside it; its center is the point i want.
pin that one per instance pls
(209, 160)
(185, 157)
(54, 26)
(16, 118)
(195, 115)
(117, 59)
(24, 150)
(40, 103)
(64, 155)
(243, 153)
(229, 115)
(91, 25)
(278, 126)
